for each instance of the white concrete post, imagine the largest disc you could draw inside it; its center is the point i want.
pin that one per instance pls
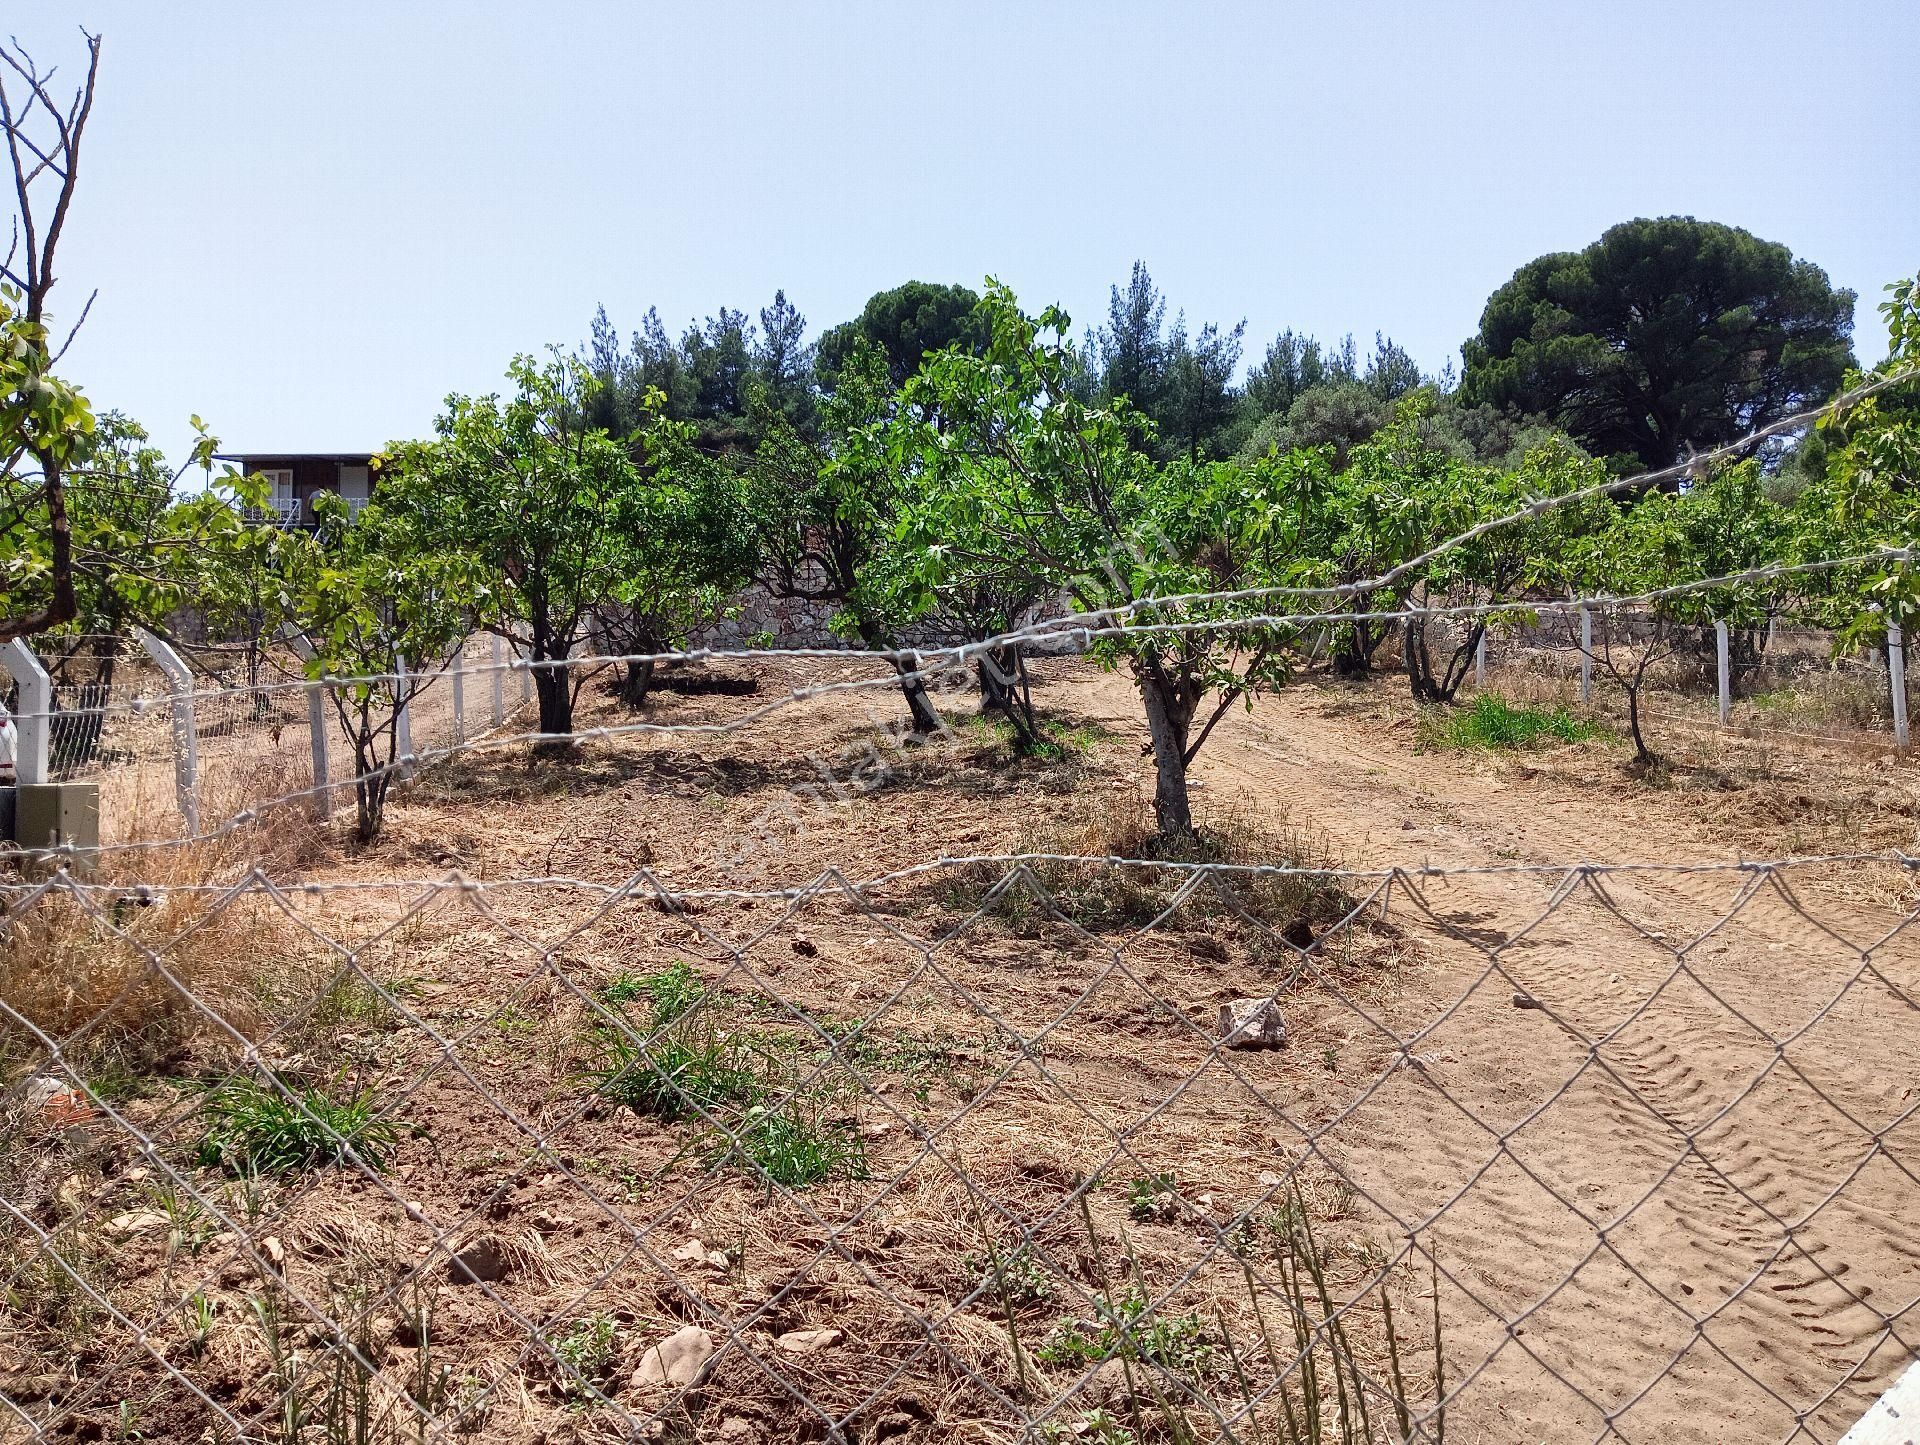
(499, 679)
(526, 679)
(317, 732)
(1586, 656)
(402, 721)
(1897, 680)
(186, 742)
(1721, 656)
(460, 695)
(32, 724)
(1480, 661)
(316, 728)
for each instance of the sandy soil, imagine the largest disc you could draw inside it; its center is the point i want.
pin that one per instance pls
(1669, 1192)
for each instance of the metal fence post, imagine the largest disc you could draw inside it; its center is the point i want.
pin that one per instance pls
(1897, 680)
(1480, 660)
(1586, 655)
(498, 676)
(526, 679)
(460, 694)
(33, 723)
(186, 742)
(402, 720)
(1720, 652)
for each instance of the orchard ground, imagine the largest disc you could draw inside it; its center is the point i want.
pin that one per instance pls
(1524, 1136)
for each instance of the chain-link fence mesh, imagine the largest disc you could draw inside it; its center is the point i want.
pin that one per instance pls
(1009, 1147)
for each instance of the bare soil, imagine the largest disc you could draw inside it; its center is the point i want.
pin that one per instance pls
(1655, 1126)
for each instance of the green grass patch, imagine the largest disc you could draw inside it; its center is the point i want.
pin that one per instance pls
(688, 1068)
(673, 1060)
(793, 1144)
(1494, 722)
(257, 1128)
(685, 1057)
(670, 993)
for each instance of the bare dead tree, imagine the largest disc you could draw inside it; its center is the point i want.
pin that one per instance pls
(43, 147)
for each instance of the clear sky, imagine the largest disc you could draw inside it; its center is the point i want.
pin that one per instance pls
(308, 223)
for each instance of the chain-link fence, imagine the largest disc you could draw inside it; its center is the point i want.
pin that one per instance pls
(1004, 1147)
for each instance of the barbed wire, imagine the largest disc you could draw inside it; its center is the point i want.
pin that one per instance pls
(931, 668)
(925, 664)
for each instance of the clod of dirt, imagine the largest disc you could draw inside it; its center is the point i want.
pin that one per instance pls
(1116, 1384)
(1252, 1023)
(1298, 932)
(907, 1412)
(1525, 1000)
(809, 1342)
(483, 1261)
(138, 1222)
(805, 947)
(681, 1359)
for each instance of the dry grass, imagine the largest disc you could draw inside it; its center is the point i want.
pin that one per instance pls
(1141, 877)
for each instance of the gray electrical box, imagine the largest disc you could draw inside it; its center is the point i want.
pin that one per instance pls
(54, 815)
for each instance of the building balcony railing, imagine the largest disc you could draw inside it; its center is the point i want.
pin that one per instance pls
(294, 512)
(282, 511)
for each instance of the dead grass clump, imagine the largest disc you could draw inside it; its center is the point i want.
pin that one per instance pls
(1109, 869)
(121, 983)
(1830, 700)
(137, 978)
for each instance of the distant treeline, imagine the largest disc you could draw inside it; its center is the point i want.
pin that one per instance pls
(1662, 338)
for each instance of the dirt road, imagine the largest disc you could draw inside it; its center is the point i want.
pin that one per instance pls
(1675, 1194)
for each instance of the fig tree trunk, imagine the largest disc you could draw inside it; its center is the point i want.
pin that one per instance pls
(1005, 689)
(1169, 717)
(636, 682)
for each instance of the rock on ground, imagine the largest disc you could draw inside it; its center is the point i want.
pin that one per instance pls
(1252, 1023)
(680, 1359)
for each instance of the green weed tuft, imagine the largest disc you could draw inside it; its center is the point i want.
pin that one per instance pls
(588, 1351)
(671, 993)
(793, 1144)
(1494, 722)
(1126, 1328)
(691, 1068)
(255, 1128)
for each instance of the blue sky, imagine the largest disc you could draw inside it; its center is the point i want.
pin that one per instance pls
(309, 223)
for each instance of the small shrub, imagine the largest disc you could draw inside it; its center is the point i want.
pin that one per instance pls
(1494, 722)
(1098, 1427)
(1017, 1280)
(256, 1128)
(586, 1352)
(1126, 1329)
(1153, 1200)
